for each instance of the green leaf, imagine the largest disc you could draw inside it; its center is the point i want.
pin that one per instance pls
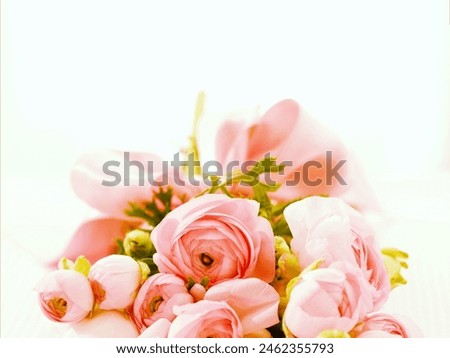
(154, 211)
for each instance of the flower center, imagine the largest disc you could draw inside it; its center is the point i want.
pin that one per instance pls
(206, 259)
(155, 303)
(58, 306)
(99, 291)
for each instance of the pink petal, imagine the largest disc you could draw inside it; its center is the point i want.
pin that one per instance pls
(159, 329)
(254, 301)
(274, 127)
(96, 239)
(89, 179)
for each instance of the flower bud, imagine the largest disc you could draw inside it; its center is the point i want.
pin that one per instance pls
(65, 296)
(281, 247)
(115, 280)
(137, 244)
(394, 261)
(288, 268)
(333, 333)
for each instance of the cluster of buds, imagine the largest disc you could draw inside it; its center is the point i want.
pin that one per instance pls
(74, 291)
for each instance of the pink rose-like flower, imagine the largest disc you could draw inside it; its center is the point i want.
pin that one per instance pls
(217, 237)
(65, 296)
(290, 135)
(329, 229)
(156, 299)
(384, 325)
(206, 319)
(337, 297)
(114, 280)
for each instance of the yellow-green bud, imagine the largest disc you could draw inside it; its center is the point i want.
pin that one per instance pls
(395, 261)
(81, 265)
(65, 264)
(288, 269)
(137, 244)
(281, 247)
(333, 333)
(145, 271)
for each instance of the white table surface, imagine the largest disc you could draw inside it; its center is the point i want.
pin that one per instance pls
(38, 217)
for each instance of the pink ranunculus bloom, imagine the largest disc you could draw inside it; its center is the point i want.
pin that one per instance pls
(384, 325)
(205, 319)
(156, 299)
(254, 301)
(65, 296)
(115, 280)
(217, 237)
(329, 229)
(289, 134)
(337, 297)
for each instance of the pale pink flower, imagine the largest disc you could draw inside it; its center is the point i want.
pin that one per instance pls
(337, 298)
(290, 134)
(329, 229)
(156, 299)
(384, 325)
(65, 296)
(206, 319)
(217, 237)
(254, 301)
(115, 280)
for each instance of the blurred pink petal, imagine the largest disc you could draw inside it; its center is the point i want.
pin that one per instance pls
(96, 239)
(89, 177)
(255, 302)
(290, 134)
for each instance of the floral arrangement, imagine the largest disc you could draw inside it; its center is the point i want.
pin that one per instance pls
(250, 252)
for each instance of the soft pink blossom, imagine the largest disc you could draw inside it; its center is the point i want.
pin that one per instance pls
(206, 319)
(115, 280)
(156, 299)
(254, 301)
(290, 134)
(337, 297)
(65, 296)
(384, 325)
(329, 229)
(217, 237)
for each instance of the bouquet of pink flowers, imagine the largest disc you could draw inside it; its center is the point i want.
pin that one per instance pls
(274, 245)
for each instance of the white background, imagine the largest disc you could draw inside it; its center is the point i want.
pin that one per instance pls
(82, 75)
